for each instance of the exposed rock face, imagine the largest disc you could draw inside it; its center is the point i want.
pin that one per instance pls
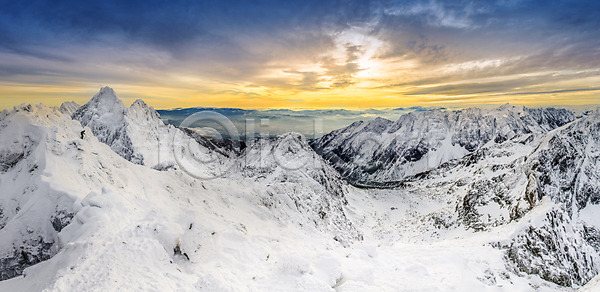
(290, 168)
(105, 114)
(568, 164)
(133, 133)
(555, 251)
(28, 253)
(567, 170)
(381, 152)
(548, 188)
(537, 169)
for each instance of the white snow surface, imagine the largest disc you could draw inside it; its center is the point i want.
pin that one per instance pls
(383, 151)
(257, 228)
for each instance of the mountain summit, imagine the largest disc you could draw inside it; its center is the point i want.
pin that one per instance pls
(133, 132)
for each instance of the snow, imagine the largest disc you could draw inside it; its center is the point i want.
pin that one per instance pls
(590, 215)
(381, 151)
(279, 219)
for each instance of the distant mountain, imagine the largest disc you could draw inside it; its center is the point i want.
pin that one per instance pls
(543, 192)
(382, 152)
(534, 171)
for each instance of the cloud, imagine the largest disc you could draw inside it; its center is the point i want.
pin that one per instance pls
(278, 49)
(435, 14)
(554, 91)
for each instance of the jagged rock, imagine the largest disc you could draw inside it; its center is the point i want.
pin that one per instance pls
(554, 251)
(381, 151)
(25, 255)
(69, 107)
(289, 167)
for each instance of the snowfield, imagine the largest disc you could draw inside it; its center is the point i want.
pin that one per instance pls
(97, 198)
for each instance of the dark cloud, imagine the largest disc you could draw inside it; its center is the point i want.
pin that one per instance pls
(235, 42)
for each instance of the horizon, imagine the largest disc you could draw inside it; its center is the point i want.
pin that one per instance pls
(302, 120)
(128, 101)
(309, 55)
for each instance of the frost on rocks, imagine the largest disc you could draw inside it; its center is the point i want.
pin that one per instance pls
(554, 251)
(567, 167)
(514, 161)
(133, 132)
(105, 114)
(382, 152)
(292, 172)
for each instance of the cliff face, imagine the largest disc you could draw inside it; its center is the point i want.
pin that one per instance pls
(382, 152)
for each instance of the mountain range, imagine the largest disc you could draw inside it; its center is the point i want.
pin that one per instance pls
(108, 197)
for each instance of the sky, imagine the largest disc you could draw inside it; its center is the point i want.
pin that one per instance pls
(306, 54)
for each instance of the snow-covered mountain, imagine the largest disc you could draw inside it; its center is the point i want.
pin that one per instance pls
(134, 204)
(69, 107)
(539, 188)
(382, 152)
(294, 175)
(134, 132)
(83, 214)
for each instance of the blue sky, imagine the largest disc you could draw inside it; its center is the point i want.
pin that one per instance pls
(302, 54)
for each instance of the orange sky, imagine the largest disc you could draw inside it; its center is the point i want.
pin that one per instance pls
(309, 55)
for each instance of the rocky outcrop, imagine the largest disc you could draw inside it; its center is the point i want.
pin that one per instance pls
(381, 151)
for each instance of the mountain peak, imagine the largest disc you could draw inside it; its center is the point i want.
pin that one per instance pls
(107, 90)
(104, 103)
(107, 97)
(105, 115)
(506, 105)
(293, 141)
(139, 103)
(141, 112)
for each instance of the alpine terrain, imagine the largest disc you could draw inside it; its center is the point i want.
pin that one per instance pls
(105, 197)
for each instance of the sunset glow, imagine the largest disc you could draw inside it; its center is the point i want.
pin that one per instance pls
(303, 56)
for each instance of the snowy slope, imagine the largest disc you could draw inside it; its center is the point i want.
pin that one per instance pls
(100, 221)
(294, 175)
(129, 218)
(76, 215)
(382, 152)
(534, 202)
